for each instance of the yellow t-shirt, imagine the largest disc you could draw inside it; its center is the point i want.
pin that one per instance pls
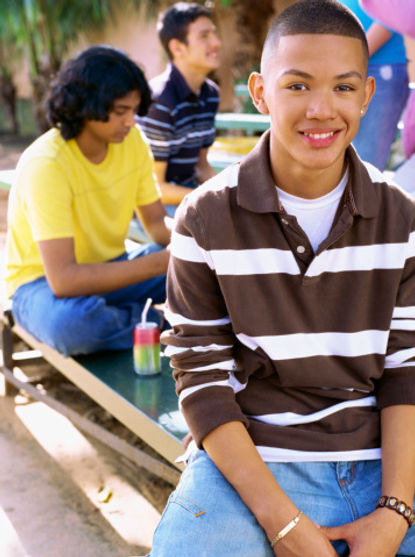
(59, 193)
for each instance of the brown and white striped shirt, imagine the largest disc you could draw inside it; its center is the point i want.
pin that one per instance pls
(305, 348)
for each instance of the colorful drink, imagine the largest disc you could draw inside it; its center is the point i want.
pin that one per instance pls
(147, 349)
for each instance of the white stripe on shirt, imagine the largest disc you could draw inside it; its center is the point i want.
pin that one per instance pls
(404, 311)
(177, 319)
(399, 357)
(290, 418)
(403, 324)
(358, 258)
(276, 454)
(306, 345)
(170, 351)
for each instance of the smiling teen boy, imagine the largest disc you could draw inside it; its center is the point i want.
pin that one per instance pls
(72, 284)
(291, 292)
(180, 123)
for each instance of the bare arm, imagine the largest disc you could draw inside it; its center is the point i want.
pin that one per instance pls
(381, 532)
(398, 452)
(154, 218)
(67, 278)
(171, 194)
(234, 453)
(204, 170)
(377, 35)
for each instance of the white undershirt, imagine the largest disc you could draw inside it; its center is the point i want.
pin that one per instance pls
(315, 216)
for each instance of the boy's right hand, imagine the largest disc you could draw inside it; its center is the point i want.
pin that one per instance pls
(307, 540)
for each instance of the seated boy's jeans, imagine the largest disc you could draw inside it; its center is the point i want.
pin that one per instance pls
(86, 324)
(205, 517)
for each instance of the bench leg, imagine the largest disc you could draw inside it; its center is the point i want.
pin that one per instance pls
(7, 344)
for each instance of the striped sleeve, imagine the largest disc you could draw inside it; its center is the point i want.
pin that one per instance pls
(201, 341)
(397, 385)
(159, 128)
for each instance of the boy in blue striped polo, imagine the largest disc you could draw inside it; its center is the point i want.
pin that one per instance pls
(180, 123)
(291, 293)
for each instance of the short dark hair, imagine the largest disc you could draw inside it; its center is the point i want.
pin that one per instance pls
(87, 86)
(317, 17)
(174, 22)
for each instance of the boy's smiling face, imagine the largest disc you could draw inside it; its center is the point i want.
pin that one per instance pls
(314, 87)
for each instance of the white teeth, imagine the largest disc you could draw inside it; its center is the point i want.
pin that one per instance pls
(319, 135)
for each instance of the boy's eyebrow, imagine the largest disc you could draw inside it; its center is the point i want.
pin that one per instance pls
(352, 73)
(305, 75)
(299, 73)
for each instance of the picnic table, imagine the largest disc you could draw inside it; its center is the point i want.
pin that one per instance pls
(250, 123)
(147, 406)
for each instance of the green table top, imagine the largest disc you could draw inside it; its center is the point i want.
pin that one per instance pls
(238, 121)
(154, 396)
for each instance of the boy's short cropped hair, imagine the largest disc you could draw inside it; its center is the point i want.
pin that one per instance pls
(87, 86)
(174, 22)
(317, 17)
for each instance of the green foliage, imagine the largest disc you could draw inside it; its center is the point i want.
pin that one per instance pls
(42, 31)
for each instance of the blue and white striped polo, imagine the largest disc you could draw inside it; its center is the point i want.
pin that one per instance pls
(180, 123)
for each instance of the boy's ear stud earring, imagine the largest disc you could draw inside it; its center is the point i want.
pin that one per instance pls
(362, 112)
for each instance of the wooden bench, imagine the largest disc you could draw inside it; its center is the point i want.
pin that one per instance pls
(147, 406)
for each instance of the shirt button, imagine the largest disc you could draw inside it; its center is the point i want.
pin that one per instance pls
(300, 249)
(284, 221)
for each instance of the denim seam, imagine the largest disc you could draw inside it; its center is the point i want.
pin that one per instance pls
(344, 484)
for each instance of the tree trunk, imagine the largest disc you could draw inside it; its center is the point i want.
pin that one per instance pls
(40, 85)
(8, 95)
(225, 19)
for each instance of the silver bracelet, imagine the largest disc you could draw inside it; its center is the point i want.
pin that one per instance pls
(286, 529)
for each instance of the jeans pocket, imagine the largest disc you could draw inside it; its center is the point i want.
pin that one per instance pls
(188, 504)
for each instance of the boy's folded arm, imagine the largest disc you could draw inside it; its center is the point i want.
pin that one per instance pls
(153, 217)
(398, 452)
(234, 453)
(67, 278)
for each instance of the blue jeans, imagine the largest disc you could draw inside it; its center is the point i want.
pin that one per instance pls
(378, 126)
(85, 324)
(205, 517)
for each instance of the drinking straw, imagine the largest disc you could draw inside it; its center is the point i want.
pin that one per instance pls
(145, 311)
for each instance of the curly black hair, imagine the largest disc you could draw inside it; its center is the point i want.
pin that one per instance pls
(86, 87)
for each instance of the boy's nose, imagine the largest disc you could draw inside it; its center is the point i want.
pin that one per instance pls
(321, 107)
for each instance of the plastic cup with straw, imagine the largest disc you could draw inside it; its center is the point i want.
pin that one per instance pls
(146, 349)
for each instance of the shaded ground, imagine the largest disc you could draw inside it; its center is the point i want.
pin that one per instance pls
(62, 493)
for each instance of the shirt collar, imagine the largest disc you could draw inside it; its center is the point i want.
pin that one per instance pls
(182, 88)
(257, 192)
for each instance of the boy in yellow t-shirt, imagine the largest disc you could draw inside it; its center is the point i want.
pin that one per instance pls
(72, 284)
